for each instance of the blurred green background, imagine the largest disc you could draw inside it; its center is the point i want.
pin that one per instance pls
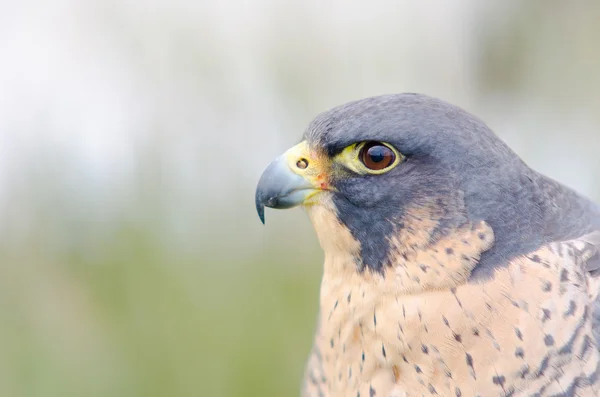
(132, 134)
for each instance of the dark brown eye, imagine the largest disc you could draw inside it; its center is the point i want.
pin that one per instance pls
(376, 156)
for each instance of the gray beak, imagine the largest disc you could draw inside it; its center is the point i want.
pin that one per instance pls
(280, 187)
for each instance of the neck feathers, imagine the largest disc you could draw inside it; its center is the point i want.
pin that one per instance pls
(419, 258)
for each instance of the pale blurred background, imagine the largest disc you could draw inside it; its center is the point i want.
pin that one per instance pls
(132, 134)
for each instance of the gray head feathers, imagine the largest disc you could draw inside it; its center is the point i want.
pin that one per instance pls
(454, 159)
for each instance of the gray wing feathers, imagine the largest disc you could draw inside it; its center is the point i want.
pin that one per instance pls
(590, 254)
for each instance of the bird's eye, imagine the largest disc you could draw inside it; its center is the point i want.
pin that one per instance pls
(377, 156)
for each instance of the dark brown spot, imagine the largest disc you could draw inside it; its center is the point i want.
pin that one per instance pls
(458, 392)
(543, 367)
(586, 344)
(549, 340)
(524, 371)
(564, 275)
(349, 297)
(571, 310)
(457, 337)
(469, 360)
(499, 380)
(445, 320)
(424, 349)
(431, 389)
(383, 351)
(518, 333)
(519, 352)
(418, 369)
(453, 291)
(481, 236)
(449, 251)
(331, 342)
(475, 332)
(536, 259)
(546, 315)
(371, 391)
(547, 286)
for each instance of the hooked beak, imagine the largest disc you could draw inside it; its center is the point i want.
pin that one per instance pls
(288, 181)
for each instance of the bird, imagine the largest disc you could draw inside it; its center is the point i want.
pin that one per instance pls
(451, 268)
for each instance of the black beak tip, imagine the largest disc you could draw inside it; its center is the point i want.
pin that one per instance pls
(260, 209)
(260, 206)
(261, 212)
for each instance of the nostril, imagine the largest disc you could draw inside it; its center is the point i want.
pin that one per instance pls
(302, 164)
(272, 202)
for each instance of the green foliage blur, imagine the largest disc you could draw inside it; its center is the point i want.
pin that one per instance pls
(136, 319)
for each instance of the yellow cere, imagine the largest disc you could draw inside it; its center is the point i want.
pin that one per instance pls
(306, 162)
(311, 165)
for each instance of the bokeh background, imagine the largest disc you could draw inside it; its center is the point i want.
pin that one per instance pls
(132, 134)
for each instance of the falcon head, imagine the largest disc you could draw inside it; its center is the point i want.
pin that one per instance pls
(405, 165)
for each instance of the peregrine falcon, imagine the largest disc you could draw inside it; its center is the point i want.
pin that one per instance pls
(451, 268)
